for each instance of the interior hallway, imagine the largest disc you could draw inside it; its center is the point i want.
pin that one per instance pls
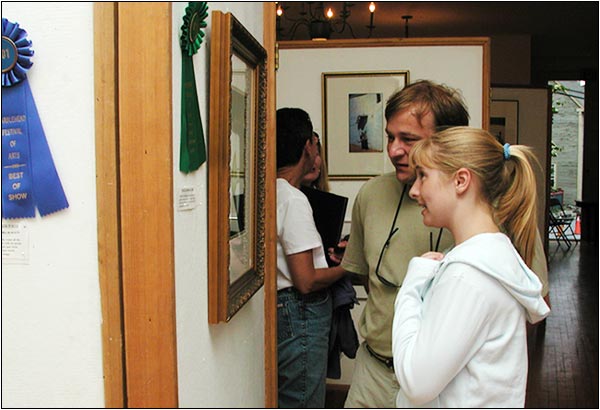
(563, 368)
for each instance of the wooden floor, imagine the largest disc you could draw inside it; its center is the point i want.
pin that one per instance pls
(563, 352)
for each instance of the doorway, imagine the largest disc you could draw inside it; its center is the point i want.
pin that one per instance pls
(566, 171)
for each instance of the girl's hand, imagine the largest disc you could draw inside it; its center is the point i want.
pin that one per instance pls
(436, 256)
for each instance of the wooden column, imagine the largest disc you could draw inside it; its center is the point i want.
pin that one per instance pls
(146, 195)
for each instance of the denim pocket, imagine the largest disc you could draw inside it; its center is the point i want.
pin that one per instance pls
(316, 300)
(284, 323)
(317, 311)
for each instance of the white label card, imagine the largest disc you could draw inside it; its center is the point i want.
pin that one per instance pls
(15, 243)
(186, 200)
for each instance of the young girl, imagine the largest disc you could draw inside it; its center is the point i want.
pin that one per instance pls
(459, 334)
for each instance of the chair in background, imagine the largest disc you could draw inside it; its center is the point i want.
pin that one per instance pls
(560, 224)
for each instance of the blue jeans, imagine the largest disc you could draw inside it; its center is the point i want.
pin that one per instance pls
(303, 324)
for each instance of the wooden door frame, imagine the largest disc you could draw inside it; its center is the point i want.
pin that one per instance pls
(270, 285)
(107, 194)
(134, 163)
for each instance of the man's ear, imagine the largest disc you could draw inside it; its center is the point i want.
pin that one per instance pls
(462, 180)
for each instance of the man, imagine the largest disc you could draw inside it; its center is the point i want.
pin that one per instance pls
(304, 306)
(387, 231)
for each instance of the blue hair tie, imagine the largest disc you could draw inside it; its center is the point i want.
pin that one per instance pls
(506, 151)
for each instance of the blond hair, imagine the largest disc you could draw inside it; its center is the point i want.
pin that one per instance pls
(506, 177)
(322, 181)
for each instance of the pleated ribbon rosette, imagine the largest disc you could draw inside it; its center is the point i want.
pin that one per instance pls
(29, 177)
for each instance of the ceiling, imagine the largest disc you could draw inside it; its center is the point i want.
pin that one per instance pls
(555, 28)
(459, 19)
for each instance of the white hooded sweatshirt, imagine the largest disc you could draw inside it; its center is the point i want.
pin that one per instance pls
(459, 335)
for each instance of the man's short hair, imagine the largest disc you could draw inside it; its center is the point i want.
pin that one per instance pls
(294, 128)
(445, 103)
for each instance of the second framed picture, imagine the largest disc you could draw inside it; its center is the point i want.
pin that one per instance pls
(354, 122)
(504, 120)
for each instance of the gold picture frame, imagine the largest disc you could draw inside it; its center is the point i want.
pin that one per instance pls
(236, 168)
(354, 138)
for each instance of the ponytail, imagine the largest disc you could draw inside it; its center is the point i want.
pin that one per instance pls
(516, 209)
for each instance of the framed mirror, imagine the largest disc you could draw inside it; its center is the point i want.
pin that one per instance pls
(236, 167)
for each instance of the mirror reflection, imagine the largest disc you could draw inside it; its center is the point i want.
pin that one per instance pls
(241, 243)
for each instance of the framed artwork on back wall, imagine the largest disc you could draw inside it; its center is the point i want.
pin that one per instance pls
(354, 138)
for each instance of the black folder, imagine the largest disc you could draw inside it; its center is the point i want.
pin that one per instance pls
(329, 211)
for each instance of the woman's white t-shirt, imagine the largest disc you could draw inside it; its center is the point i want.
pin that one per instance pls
(296, 231)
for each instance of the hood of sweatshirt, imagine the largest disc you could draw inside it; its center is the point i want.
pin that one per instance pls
(498, 258)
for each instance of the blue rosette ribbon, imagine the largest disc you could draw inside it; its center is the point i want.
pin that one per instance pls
(16, 54)
(29, 177)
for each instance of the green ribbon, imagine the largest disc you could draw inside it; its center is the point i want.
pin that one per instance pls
(193, 152)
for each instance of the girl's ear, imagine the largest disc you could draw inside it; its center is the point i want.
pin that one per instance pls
(462, 180)
(307, 146)
(305, 151)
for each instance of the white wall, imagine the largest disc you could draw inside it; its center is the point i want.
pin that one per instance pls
(218, 365)
(299, 80)
(51, 317)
